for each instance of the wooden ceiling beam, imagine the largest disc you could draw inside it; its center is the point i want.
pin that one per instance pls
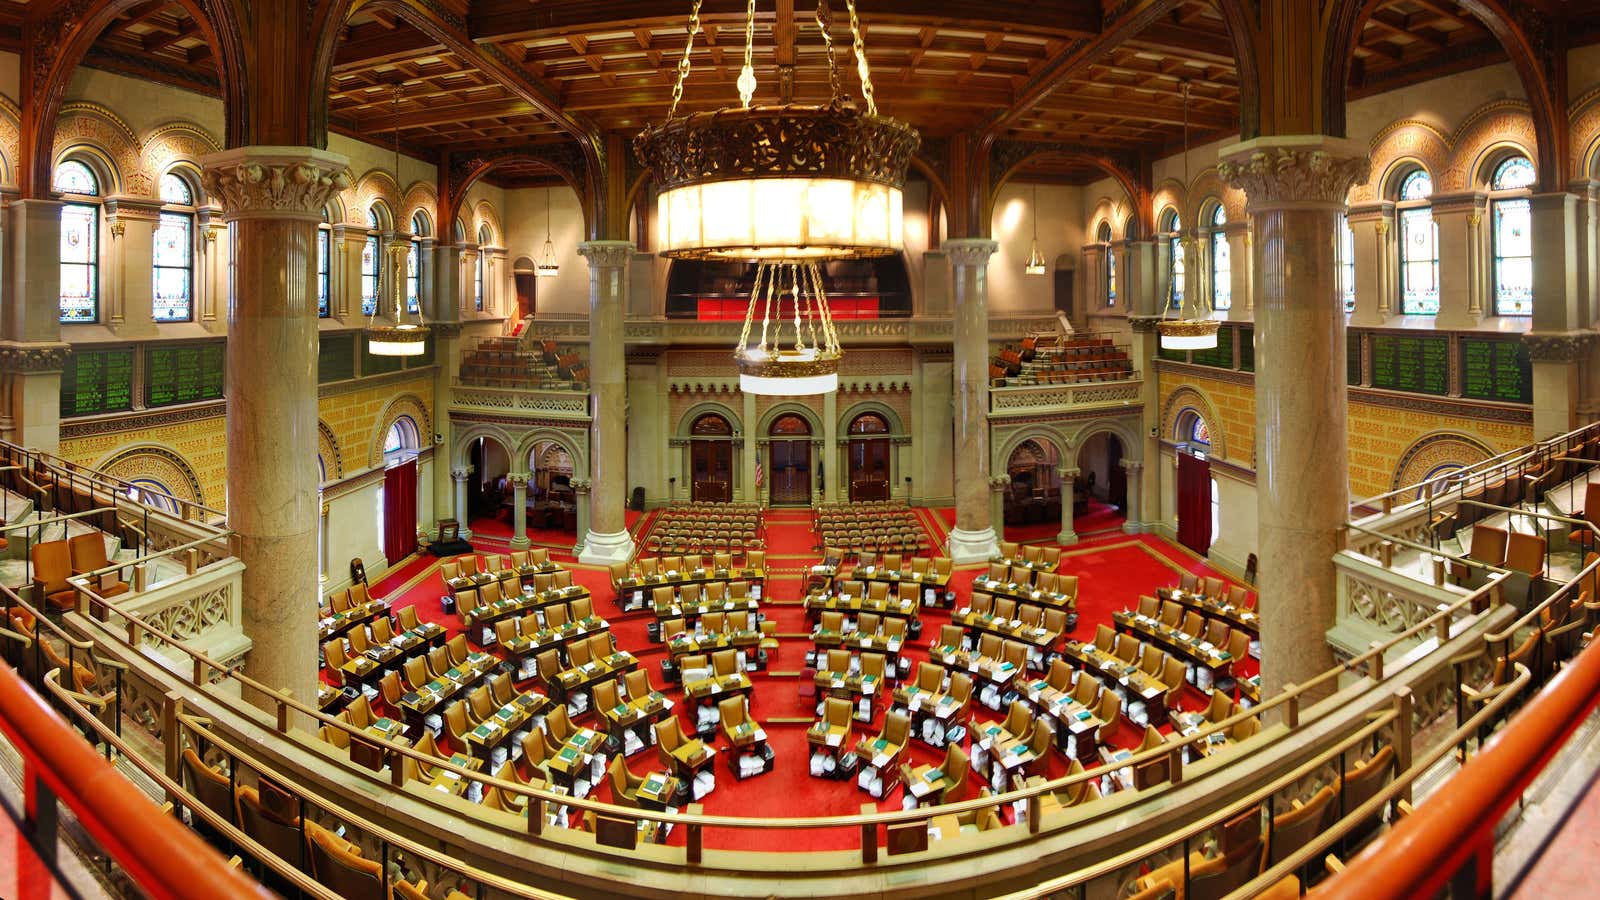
(446, 114)
(371, 44)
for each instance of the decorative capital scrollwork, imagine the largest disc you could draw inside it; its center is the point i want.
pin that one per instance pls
(999, 482)
(33, 357)
(460, 474)
(274, 182)
(606, 254)
(969, 251)
(1565, 347)
(581, 485)
(1286, 170)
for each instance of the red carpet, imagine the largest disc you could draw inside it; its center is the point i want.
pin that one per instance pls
(1113, 569)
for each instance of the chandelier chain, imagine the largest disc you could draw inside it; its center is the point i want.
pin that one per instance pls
(683, 62)
(862, 69)
(747, 74)
(824, 25)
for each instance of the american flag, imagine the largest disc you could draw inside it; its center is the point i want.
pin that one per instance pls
(761, 473)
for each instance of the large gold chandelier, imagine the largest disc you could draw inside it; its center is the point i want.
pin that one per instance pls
(1193, 329)
(788, 187)
(403, 336)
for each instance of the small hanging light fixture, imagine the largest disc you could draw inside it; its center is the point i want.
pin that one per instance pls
(1035, 264)
(547, 267)
(406, 337)
(1193, 329)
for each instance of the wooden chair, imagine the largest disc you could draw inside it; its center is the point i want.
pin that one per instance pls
(88, 552)
(52, 566)
(1294, 828)
(338, 864)
(1488, 545)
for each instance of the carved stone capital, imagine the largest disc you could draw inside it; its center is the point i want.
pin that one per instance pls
(518, 479)
(1069, 473)
(33, 357)
(969, 251)
(606, 254)
(1558, 346)
(1144, 324)
(581, 485)
(999, 482)
(460, 474)
(1295, 169)
(1133, 466)
(274, 182)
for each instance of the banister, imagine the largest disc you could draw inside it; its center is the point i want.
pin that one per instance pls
(1423, 852)
(163, 857)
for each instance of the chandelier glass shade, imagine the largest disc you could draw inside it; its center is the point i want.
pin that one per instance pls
(547, 267)
(405, 334)
(786, 186)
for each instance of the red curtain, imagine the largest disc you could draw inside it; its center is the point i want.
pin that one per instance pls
(1194, 502)
(400, 511)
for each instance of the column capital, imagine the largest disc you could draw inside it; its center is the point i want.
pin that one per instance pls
(969, 251)
(130, 207)
(460, 474)
(274, 182)
(1145, 324)
(1132, 466)
(999, 482)
(606, 254)
(518, 479)
(1370, 211)
(1558, 346)
(580, 485)
(1069, 473)
(1309, 170)
(18, 356)
(1457, 204)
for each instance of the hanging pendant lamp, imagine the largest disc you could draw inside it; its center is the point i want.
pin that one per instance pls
(787, 187)
(1035, 264)
(407, 336)
(1193, 329)
(547, 266)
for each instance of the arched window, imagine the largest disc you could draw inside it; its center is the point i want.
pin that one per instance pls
(80, 241)
(477, 290)
(1347, 264)
(1175, 259)
(152, 493)
(324, 254)
(1221, 265)
(371, 252)
(419, 229)
(1103, 235)
(1512, 237)
(1192, 433)
(401, 441)
(1419, 247)
(174, 252)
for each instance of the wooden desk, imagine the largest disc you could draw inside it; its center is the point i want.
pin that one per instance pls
(572, 765)
(450, 782)
(934, 586)
(479, 620)
(658, 791)
(339, 623)
(635, 591)
(500, 728)
(927, 785)
(418, 705)
(818, 603)
(1235, 616)
(1024, 594)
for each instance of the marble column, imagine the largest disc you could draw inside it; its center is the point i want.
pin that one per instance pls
(273, 198)
(1370, 225)
(583, 498)
(1068, 535)
(1133, 515)
(973, 538)
(519, 510)
(1555, 341)
(1462, 275)
(1239, 277)
(1296, 187)
(32, 354)
(458, 478)
(747, 491)
(998, 485)
(607, 539)
(833, 474)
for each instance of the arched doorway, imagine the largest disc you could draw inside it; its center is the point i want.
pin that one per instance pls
(790, 449)
(869, 449)
(523, 274)
(488, 489)
(1199, 511)
(1100, 491)
(551, 501)
(711, 460)
(1032, 507)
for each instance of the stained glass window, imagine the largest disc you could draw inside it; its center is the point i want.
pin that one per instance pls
(1513, 238)
(419, 227)
(1419, 248)
(1111, 264)
(369, 266)
(80, 244)
(1347, 265)
(324, 273)
(483, 244)
(174, 268)
(176, 191)
(1174, 260)
(1200, 434)
(1221, 265)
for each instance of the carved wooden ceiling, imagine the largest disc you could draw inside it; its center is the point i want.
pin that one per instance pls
(943, 66)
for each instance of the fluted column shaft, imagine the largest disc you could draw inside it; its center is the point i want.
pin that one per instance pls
(459, 477)
(273, 196)
(519, 510)
(973, 538)
(1068, 477)
(1296, 187)
(607, 539)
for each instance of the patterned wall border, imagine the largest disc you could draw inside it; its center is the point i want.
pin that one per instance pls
(340, 388)
(117, 423)
(1433, 450)
(170, 468)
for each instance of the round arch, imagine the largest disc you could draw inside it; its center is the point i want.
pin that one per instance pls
(484, 216)
(421, 198)
(686, 422)
(1406, 140)
(374, 186)
(1434, 451)
(547, 436)
(451, 208)
(1492, 131)
(1191, 398)
(460, 453)
(178, 143)
(1036, 433)
(1131, 444)
(98, 137)
(1126, 179)
(764, 423)
(410, 406)
(63, 40)
(156, 462)
(328, 450)
(896, 426)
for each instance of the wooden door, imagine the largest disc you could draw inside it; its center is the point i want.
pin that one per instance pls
(1194, 502)
(711, 471)
(791, 472)
(869, 469)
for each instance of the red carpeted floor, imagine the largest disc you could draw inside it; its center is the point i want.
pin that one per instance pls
(1114, 569)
